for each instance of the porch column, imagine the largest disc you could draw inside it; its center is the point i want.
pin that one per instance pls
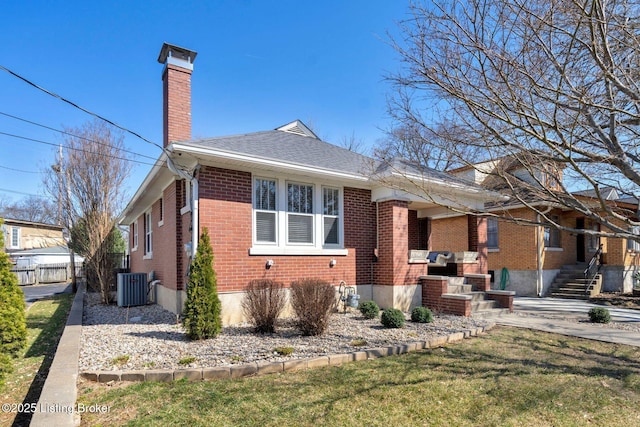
(393, 242)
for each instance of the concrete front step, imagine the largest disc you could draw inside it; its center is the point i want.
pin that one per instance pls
(459, 289)
(570, 295)
(489, 314)
(482, 305)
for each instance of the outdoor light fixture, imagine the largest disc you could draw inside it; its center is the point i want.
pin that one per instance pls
(332, 263)
(269, 264)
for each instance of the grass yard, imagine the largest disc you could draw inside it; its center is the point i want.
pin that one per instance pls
(509, 377)
(45, 323)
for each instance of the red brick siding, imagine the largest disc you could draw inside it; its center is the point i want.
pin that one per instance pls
(225, 209)
(360, 232)
(449, 234)
(176, 109)
(432, 290)
(393, 268)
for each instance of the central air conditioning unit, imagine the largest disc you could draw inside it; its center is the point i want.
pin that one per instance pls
(132, 289)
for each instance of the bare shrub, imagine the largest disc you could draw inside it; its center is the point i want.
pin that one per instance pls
(312, 301)
(263, 302)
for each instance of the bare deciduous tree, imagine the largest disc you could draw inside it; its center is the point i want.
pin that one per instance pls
(551, 87)
(89, 179)
(31, 208)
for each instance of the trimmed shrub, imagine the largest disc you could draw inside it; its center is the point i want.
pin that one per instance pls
(262, 303)
(392, 318)
(599, 315)
(421, 315)
(202, 310)
(312, 301)
(369, 309)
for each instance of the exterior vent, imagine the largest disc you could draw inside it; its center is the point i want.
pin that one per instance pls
(298, 128)
(132, 289)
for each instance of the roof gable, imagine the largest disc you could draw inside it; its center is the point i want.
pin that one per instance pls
(298, 128)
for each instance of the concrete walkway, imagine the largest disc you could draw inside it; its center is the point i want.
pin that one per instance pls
(570, 317)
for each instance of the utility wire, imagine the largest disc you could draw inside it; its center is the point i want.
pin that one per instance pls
(27, 81)
(70, 134)
(17, 170)
(5, 190)
(76, 149)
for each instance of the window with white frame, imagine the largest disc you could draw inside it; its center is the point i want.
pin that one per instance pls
(264, 208)
(296, 217)
(299, 213)
(492, 233)
(331, 215)
(634, 245)
(552, 234)
(134, 236)
(148, 234)
(15, 237)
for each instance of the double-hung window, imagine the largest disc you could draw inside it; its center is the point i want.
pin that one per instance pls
(634, 245)
(492, 233)
(299, 213)
(264, 206)
(298, 218)
(15, 237)
(148, 235)
(552, 234)
(331, 215)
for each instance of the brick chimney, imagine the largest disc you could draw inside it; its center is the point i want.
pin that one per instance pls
(176, 88)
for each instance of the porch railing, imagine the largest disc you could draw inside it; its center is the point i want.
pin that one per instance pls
(592, 270)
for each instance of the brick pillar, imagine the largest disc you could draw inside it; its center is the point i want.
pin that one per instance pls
(393, 242)
(477, 238)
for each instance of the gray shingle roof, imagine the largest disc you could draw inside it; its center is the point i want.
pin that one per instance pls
(287, 147)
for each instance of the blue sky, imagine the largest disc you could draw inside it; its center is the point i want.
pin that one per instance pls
(260, 64)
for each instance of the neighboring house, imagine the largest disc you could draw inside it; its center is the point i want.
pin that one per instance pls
(533, 256)
(43, 256)
(25, 235)
(284, 205)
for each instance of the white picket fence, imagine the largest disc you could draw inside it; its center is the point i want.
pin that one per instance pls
(45, 273)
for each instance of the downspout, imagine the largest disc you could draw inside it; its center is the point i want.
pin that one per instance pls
(194, 215)
(539, 250)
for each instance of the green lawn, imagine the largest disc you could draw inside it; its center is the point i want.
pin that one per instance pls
(45, 323)
(509, 377)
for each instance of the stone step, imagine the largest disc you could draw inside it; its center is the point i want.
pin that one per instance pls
(455, 281)
(570, 295)
(459, 289)
(489, 314)
(482, 305)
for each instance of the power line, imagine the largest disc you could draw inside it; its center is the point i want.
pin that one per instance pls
(27, 81)
(17, 170)
(75, 149)
(5, 190)
(70, 134)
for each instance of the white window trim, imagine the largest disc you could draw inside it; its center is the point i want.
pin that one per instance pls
(281, 246)
(148, 231)
(18, 233)
(187, 198)
(134, 245)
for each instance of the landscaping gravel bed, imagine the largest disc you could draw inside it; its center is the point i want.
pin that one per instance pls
(149, 337)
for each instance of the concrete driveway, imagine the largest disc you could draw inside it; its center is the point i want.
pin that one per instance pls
(34, 293)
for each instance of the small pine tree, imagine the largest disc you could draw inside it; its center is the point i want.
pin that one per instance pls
(13, 324)
(202, 312)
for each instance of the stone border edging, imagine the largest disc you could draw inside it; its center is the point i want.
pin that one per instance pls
(263, 368)
(59, 392)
